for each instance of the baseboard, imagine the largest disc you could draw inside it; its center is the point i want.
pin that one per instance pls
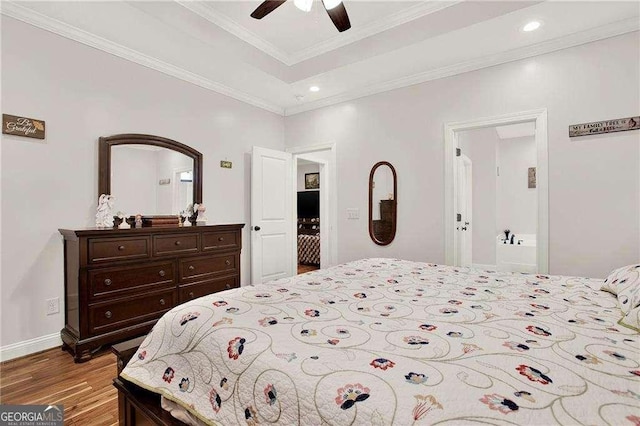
(485, 267)
(16, 350)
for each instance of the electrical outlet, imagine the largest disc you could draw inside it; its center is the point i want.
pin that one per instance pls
(353, 213)
(53, 306)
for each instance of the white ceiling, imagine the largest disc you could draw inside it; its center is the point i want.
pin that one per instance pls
(271, 63)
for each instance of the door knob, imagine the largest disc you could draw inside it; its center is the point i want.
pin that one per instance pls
(256, 228)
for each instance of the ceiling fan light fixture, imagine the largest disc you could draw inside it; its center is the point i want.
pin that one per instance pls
(330, 4)
(303, 5)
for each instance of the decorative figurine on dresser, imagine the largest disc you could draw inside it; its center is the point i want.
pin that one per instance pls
(118, 281)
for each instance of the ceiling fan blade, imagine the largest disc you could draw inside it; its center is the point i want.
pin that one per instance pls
(339, 16)
(266, 7)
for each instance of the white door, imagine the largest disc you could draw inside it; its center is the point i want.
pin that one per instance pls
(463, 227)
(272, 243)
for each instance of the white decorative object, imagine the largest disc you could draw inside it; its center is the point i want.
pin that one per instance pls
(188, 214)
(138, 220)
(123, 224)
(104, 219)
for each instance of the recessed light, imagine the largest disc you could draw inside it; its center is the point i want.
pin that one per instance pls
(314, 89)
(531, 26)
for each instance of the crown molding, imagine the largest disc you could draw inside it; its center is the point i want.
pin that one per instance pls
(568, 41)
(204, 11)
(29, 16)
(361, 32)
(340, 40)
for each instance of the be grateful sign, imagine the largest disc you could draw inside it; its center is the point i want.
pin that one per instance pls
(607, 126)
(22, 126)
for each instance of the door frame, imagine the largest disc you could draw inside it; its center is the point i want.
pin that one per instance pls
(539, 116)
(328, 202)
(176, 186)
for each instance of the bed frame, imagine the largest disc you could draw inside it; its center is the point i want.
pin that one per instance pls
(137, 406)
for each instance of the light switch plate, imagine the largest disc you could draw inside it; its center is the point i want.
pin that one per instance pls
(353, 213)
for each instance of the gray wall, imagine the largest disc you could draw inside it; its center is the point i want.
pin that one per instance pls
(82, 94)
(594, 182)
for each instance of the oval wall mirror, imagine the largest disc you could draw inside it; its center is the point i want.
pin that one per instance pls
(383, 191)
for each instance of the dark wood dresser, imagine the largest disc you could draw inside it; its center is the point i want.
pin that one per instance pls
(118, 282)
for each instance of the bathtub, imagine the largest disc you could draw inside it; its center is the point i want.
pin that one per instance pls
(517, 257)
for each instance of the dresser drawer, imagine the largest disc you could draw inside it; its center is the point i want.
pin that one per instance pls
(175, 244)
(107, 316)
(202, 268)
(108, 249)
(193, 291)
(110, 281)
(220, 240)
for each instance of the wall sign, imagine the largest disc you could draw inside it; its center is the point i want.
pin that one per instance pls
(22, 126)
(607, 126)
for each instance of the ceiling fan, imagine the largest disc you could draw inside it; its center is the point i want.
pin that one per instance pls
(334, 8)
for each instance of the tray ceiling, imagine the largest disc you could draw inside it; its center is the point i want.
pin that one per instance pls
(271, 63)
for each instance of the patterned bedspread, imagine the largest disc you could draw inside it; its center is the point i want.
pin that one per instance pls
(382, 341)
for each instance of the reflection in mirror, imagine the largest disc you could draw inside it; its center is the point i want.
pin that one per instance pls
(150, 179)
(382, 203)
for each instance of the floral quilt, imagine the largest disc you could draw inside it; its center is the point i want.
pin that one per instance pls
(384, 341)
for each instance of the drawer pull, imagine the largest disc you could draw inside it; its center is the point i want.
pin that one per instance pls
(120, 248)
(221, 239)
(108, 314)
(178, 243)
(191, 267)
(191, 295)
(162, 273)
(228, 286)
(227, 262)
(107, 282)
(162, 302)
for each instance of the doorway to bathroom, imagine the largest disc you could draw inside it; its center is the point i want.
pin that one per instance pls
(497, 194)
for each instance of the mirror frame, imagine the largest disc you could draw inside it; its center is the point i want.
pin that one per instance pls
(104, 158)
(394, 213)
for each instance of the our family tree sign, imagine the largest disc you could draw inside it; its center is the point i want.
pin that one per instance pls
(606, 126)
(22, 126)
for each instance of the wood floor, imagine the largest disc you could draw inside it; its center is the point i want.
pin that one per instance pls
(306, 268)
(51, 377)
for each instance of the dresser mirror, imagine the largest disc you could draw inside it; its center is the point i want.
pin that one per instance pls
(383, 188)
(149, 175)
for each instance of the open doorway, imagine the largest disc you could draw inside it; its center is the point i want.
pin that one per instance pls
(308, 198)
(497, 198)
(274, 223)
(505, 190)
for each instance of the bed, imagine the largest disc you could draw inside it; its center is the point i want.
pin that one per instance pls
(384, 341)
(309, 249)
